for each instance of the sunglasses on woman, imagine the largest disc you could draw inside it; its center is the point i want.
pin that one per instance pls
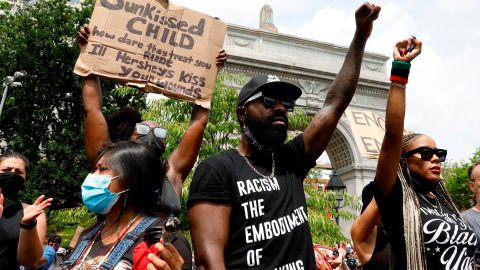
(270, 101)
(426, 153)
(143, 130)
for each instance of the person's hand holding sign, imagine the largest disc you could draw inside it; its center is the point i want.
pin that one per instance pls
(83, 35)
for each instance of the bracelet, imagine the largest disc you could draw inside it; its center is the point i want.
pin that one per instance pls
(399, 85)
(400, 72)
(28, 226)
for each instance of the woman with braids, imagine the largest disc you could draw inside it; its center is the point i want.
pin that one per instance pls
(423, 226)
(122, 192)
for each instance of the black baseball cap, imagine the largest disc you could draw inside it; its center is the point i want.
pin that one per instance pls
(270, 82)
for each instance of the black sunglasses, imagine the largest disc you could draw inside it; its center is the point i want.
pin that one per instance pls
(426, 153)
(271, 102)
(288, 104)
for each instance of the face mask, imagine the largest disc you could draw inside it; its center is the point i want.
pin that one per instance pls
(11, 184)
(153, 141)
(95, 194)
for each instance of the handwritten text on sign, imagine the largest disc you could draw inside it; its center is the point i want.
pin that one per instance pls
(156, 46)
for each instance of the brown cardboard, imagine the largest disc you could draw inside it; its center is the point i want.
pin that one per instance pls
(154, 45)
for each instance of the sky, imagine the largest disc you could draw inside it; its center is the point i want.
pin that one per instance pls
(443, 89)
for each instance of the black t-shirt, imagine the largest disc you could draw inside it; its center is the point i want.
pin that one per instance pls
(268, 223)
(449, 243)
(9, 234)
(380, 259)
(99, 250)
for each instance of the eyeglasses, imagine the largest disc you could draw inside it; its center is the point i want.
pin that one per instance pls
(143, 130)
(272, 101)
(426, 153)
(475, 179)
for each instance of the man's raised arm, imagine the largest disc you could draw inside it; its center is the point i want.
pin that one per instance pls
(319, 131)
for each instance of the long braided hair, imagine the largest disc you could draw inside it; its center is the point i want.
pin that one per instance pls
(412, 222)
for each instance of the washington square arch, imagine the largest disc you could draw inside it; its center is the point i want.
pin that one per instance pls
(312, 65)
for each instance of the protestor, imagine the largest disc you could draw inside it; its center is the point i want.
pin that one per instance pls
(368, 235)
(472, 215)
(351, 259)
(424, 228)
(339, 262)
(328, 258)
(52, 253)
(122, 190)
(241, 199)
(22, 226)
(128, 125)
(48, 256)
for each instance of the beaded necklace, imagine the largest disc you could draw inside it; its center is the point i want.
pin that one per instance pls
(108, 251)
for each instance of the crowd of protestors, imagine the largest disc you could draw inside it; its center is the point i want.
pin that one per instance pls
(246, 206)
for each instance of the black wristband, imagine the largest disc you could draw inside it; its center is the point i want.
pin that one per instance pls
(28, 226)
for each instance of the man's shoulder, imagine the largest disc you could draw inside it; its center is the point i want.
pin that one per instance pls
(224, 157)
(470, 213)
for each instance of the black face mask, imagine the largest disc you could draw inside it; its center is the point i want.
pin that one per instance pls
(11, 184)
(154, 142)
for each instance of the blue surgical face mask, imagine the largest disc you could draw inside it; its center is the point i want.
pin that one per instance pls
(95, 194)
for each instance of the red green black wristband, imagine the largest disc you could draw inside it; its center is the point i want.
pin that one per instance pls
(400, 72)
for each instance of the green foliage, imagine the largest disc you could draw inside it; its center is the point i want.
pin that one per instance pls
(65, 221)
(321, 210)
(5, 6)
(43, 118)
(299, 119)
(456, 181)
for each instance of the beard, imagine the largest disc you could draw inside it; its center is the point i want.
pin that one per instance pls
(269, 136)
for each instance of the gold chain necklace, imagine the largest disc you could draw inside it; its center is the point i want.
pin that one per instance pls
(255, 170)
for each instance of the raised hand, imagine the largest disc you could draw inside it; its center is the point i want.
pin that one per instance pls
(31, 212)
(168, 258)
(221, 58)
(83, 35)
(364, 17)
(407, 49)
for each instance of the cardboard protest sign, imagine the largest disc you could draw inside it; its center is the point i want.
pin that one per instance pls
(368, 129)
(154, 45)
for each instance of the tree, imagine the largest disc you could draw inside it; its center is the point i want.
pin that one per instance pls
(43, 119)
(321, 210)
(456, 181)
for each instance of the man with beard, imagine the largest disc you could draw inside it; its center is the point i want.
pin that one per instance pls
(246, 206)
